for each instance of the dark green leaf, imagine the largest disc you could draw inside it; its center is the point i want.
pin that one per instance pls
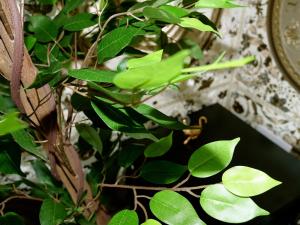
(174, 209)
(43, 174)
(79, 22)
(161, 15)
(227, 207)
(71, 5)
(162, 172)
(26, 141)
(246, 182)
(90, 135)
(10, 157)
(11, 218)
(212, 158)
(105, 76)
(45, 30)
(160, 147)
(129, 154)
(115, 41)
(125, 217)
(52, 212)
(30, 42)
(10, 123)
(159, 118)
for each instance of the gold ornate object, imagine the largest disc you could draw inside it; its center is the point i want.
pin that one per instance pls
(284, 34)
(195, 131)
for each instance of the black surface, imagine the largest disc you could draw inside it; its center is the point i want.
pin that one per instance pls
(256, 151)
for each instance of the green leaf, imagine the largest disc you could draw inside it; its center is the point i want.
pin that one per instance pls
(216, 4)
(161, 15)
(115, 119)
(125, 217)
(10, 123)
(90, 135)
(10, 157)
(160, 147)
(162, 172)
(151, 58)
(174, 209)
(43, 174)
(222, 205)
(187, 22)
(30, 42)
(11, 218)
(246, 182)
(159, 118)
(79, 22)
(212, 158)
(176, 11)
(26, 141)
(152, 76)
(71, 5)
(113, 42)
(52, 212)
(47, 2)
(44, 28)
(151, 222)
(105, 76)
(130, 154)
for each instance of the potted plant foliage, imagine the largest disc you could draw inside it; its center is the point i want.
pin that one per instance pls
(63, 84)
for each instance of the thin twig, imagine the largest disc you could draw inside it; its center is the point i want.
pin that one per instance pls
(183, 181)
(144, 209)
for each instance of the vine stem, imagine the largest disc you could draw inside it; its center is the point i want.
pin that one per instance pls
(148, 188)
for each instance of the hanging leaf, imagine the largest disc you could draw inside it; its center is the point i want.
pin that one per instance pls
(151, 58)
(162, 172)
(71, 5)
(44, 28)
(52, 212)
(174, 209)
(246, 182)
(176, 11)
(26, 141)
(43, 174)
(222, 205)
(79, 22)
(10, 123)
(194, 23)
(10, 157)
(116, 119)
(90, 135)
(216, 4)
(105, 76)
(154, 75)
(160, 147)
(115, 41)
(11, 218)
(161, 15)
(130, 154)
(212, 158)
(29, 41)
(159, 118)
(151, 222)
(125, 217)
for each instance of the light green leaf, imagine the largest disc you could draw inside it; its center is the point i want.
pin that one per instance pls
(216, 4)
(176, 11)
(11, 218)
(30, 42)
(151, 222)
(10, 123)
(47, 2)
(174, 209)
(159, 118)
(52, 212)
(162, 172)
(212, 158)
(161, 15)
(26, 141)
(125, 217)
(79, 22)
(160, 147)
(105, 76)
(115, 41)
(151, 58)
(90, 135)
(116, 119)
(152, 76)
(222, 205)
(44, 28)
(187, 22)
(246, 182)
